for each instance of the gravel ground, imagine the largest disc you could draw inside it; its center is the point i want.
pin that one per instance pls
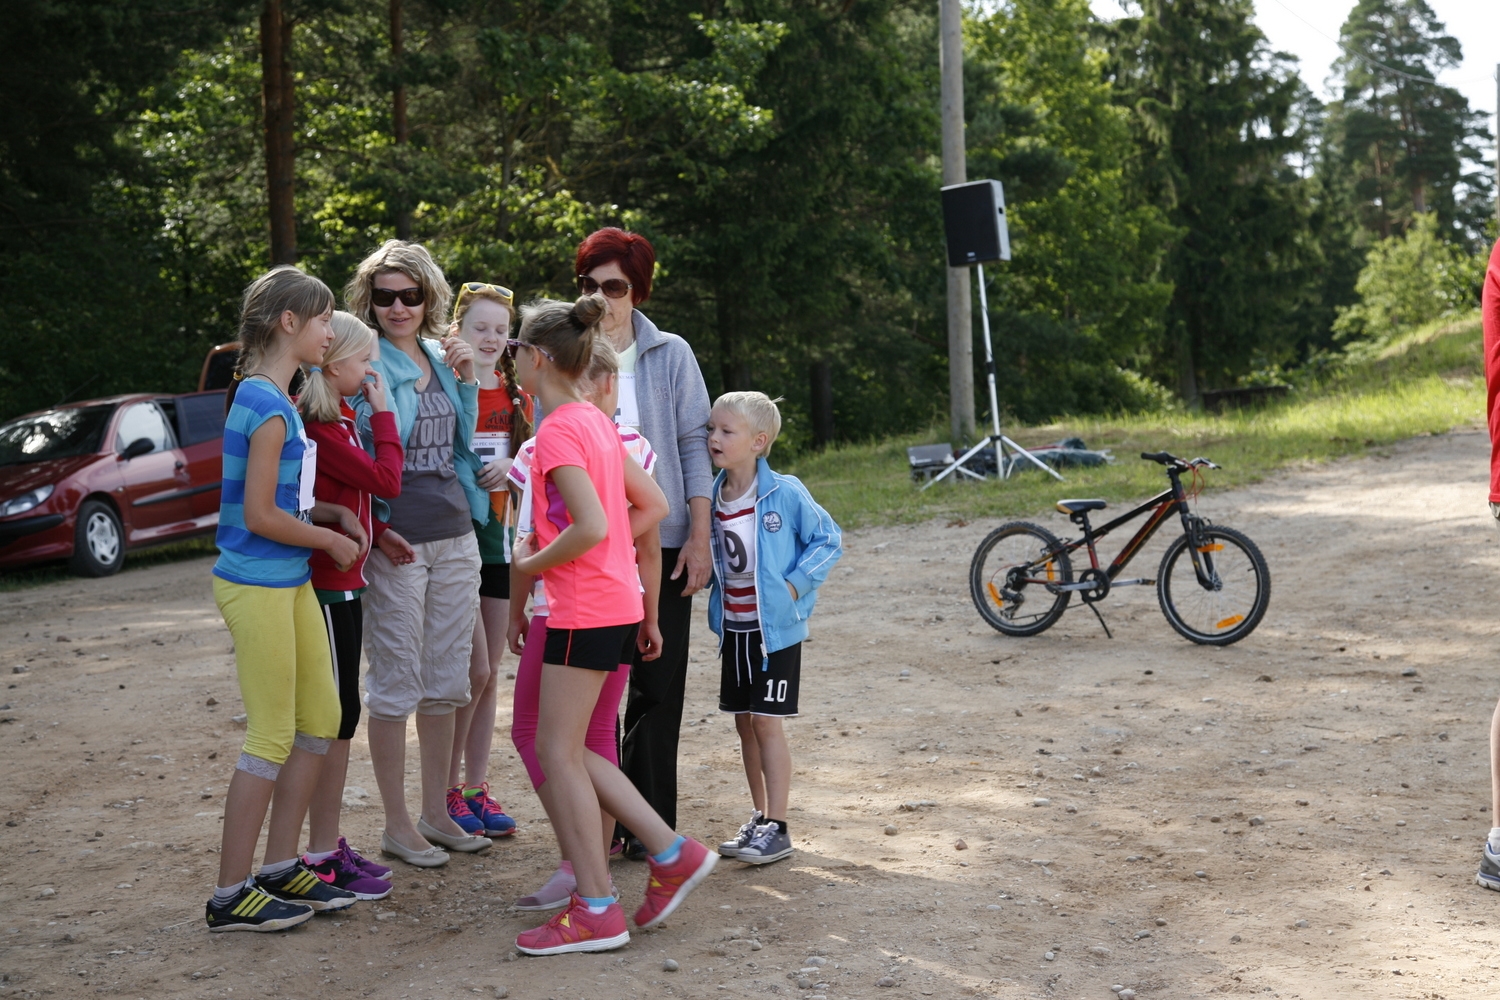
(1298, 815)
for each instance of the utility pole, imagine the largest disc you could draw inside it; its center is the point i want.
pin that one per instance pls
(956, 171)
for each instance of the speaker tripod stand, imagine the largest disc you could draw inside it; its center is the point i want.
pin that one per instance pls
(995, 439)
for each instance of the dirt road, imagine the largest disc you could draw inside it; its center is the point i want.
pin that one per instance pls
(1298, 815)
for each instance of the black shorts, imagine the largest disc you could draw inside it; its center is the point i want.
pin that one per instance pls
(591, 648)
(494, 581)
(345, 621)
(755, 683)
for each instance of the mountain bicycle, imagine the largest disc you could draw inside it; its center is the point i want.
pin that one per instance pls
(1213, 584)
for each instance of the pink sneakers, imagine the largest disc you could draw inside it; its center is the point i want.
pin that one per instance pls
(576, 929)
(670, 883)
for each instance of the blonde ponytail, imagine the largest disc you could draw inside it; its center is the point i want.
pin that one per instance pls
(319, 401)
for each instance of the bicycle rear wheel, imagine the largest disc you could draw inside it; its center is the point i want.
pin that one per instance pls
(1009, 574)
(1234, 603)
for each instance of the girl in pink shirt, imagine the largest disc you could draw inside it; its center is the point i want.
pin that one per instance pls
(585, 519)
(528, 636)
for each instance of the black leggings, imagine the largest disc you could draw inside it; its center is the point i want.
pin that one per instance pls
(346, 628)
(653, 709)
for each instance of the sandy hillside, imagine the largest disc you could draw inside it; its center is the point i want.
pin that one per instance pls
(1313, 835)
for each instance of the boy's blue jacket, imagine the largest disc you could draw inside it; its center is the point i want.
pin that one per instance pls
(796, 542)
(400, 374)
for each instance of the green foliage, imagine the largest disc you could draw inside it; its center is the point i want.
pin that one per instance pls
(1411, 280)
(781, 155)
(82, 264)
(1085, 292)
(1217, 118)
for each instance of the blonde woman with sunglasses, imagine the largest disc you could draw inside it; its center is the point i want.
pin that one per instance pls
(423, 597)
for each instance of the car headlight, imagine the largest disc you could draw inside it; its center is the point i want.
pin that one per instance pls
(25, 502)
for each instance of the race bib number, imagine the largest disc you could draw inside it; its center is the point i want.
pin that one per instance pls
(309, 474)
(627, 412)
(490, 445)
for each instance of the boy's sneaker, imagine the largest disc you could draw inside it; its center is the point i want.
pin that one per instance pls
(254, 909)
(369, 867)
(732, 848)
(670, 884)
(767, 845)
(576, 929)
(342, 873)
(1489, 868)
(496, 823)
(300, 885)
(460, 813)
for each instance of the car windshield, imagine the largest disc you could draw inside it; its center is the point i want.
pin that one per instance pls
(54, 434)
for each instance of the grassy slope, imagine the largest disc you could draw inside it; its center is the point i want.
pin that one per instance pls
(1426, 383)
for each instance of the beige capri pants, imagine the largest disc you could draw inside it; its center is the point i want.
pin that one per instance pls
(419, 629)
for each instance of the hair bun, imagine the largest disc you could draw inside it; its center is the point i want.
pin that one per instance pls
(589, 310)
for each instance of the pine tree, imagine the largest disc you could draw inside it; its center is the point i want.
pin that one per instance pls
(1405, 136)
(1217, 117)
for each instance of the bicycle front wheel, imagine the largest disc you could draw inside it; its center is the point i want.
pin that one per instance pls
(1009, 574)
(1225, 607)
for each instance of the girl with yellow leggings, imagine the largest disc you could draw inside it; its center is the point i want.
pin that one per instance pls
(262, 586)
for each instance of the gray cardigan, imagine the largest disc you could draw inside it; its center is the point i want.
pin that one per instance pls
(674, 408)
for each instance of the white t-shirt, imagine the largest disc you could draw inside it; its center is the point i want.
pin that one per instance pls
(734, 520)
(627, 411)
(636, 446)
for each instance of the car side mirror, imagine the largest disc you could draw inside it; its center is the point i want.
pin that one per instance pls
(138, 447)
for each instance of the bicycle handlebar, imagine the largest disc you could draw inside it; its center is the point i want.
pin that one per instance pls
(1167, 458)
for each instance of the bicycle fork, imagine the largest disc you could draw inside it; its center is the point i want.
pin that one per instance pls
(1201, 549)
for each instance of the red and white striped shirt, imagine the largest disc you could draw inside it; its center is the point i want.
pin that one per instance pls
(734, 520)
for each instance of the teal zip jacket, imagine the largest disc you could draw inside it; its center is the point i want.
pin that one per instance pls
(400, 374)
(796, 542)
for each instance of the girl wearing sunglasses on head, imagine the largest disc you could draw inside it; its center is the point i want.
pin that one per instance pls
(424, 575)
(482, 318)
(661, 394)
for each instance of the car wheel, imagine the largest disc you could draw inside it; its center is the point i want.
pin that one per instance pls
(98, 540)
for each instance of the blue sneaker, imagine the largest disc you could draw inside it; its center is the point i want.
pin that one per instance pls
(496, 823)
(1489, 868)
(460, 813)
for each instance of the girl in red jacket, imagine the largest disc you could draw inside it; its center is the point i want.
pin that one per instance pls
(348, 473)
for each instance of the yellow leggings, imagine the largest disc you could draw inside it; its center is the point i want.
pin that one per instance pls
(285, 667)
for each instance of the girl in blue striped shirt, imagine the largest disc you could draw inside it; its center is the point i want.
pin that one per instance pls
(262, 586)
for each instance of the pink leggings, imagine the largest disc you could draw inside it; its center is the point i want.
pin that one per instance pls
(601, 736)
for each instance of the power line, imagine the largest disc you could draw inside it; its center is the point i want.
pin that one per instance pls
(1342, 46)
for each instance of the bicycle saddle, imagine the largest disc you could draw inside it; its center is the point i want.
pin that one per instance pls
(1079, 506)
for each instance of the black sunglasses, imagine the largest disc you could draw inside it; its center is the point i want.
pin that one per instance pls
(615, 288)
(386, 297)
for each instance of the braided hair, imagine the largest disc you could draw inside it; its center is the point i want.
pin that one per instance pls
(521, 429)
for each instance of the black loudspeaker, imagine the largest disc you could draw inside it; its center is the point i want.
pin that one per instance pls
(974, 221)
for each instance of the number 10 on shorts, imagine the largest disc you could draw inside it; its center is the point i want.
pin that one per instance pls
(775, 691)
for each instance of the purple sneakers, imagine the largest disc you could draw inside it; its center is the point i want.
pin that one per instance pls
(342, 873)
(363, 863)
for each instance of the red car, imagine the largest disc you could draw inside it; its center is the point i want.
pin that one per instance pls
(88, 481)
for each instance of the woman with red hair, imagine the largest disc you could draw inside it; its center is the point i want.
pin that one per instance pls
(662, 395)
